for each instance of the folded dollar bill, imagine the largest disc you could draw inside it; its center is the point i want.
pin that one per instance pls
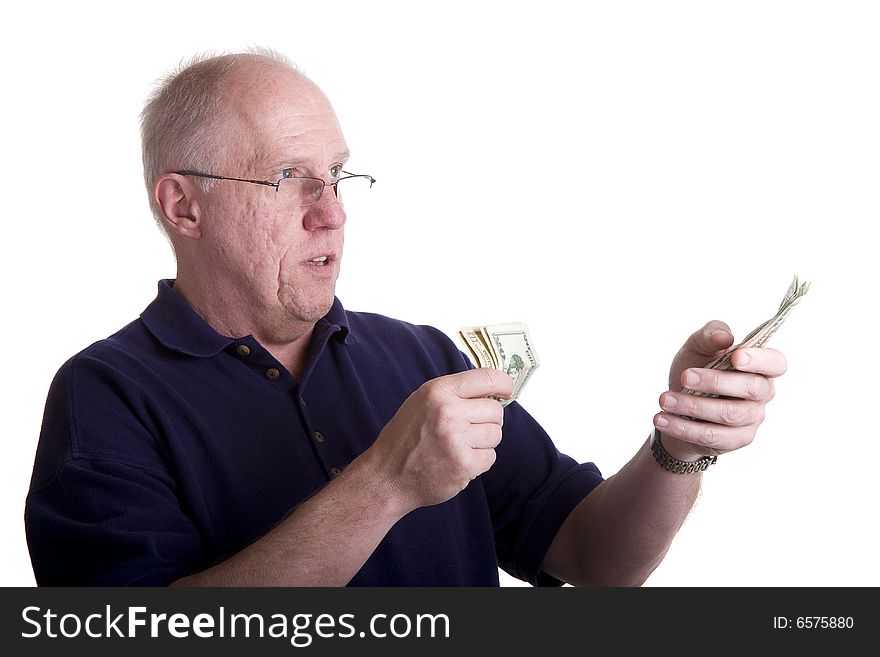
(760, 336)
(504, 347)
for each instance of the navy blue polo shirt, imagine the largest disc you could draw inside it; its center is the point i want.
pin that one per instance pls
(168, 447)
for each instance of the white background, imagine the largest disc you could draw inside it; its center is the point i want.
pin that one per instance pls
(614, 174)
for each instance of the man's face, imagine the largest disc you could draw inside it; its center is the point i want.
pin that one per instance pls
(282, 257)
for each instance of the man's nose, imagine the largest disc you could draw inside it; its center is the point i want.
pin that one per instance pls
(326, 213)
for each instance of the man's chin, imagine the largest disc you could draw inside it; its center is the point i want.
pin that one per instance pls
(306, 307)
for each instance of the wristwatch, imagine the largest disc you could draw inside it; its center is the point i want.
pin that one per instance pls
(675, 465)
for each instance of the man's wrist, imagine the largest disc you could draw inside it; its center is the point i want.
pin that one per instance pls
(676, 461)
(370, 475)
(678, 448)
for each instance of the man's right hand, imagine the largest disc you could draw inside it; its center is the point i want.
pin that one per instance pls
(443, 436)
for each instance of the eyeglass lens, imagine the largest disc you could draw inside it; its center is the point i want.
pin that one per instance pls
(306, 191)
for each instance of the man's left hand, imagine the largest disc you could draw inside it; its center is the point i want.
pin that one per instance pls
(719, 424)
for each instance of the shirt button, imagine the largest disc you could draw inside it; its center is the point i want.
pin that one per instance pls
(335, 471)
(272, 373)
(243, 350)
(320, 437)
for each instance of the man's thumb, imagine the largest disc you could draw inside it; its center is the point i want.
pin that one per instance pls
(714, 338)
(700, 349)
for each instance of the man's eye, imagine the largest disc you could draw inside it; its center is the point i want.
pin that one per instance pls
(335, 170)
(287, 173)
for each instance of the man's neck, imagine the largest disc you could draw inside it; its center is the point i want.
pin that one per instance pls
(232, 314)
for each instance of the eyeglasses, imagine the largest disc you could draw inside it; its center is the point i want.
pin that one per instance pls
(302, 190)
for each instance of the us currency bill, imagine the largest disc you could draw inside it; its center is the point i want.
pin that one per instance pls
(504, 347)
(761, 334)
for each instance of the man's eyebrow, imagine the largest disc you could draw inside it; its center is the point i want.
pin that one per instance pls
(297, 161)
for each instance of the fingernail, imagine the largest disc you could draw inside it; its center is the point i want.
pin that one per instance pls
(662, 422)
(743, 358)
(692, 378)
(669, 402)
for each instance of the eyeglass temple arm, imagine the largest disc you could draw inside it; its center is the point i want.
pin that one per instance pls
(359, 175)
(199, 174)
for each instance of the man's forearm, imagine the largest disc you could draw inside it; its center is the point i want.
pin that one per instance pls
(621, 531)
(323, 542)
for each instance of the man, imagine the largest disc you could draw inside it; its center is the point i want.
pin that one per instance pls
(247, 430)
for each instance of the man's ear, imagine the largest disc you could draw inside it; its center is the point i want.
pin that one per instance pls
(178, 199)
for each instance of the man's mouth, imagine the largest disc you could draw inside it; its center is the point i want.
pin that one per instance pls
(320, 261)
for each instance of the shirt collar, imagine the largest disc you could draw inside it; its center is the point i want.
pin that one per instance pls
(337, 319)
(180, 328)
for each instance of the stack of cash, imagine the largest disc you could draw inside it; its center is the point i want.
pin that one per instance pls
(504, 347)
(760, 336)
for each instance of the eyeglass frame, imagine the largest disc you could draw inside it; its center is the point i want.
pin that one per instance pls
(277, 185)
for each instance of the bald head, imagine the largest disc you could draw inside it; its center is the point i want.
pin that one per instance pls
(212, 111)
(266, 105)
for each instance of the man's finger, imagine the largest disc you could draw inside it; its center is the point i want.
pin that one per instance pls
(484, 411)
(705, 438)
(721, 410)
(484, 436)
(740, 385)
(481, 460)
(768, 362)
(481, 382)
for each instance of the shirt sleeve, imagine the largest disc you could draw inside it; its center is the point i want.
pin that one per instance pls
(531, 490)
(103, 508)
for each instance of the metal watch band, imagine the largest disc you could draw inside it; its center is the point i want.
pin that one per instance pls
(673, 464)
